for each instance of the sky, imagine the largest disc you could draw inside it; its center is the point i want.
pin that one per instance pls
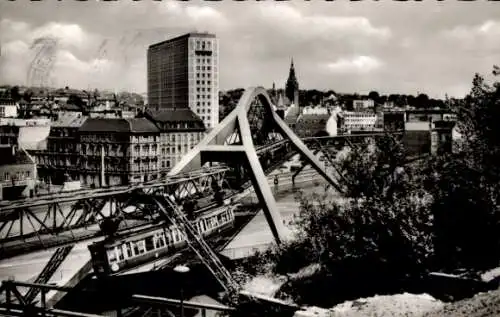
(392, 47)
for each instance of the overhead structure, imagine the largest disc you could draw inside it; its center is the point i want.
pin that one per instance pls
(40, 68)
(252, 124)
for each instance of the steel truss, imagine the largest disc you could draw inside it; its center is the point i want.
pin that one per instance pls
(60, 219)
(251, 125)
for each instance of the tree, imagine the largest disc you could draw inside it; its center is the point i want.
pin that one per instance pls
(373, 95)
(422, 101)
(370, 238)
(465, 185)
(14, 94)
(376, 169)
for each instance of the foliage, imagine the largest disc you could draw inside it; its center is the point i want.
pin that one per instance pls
(465, 186)
(373, 169)
(398, 221)
(378, 236)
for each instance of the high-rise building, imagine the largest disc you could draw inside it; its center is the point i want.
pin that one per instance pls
(183, 73)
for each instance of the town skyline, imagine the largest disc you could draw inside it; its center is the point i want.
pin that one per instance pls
(346, 47)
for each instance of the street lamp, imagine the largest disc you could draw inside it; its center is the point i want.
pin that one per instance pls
(182, 269)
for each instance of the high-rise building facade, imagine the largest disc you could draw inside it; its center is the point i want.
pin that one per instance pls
(183, 72)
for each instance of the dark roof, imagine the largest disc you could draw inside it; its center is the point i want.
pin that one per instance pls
(19, 157)
(135, 125)
(70, 107)
(174, 115)
(184, 36)
(314, 117)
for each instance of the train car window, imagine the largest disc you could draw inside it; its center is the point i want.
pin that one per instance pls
(128, 248)
(149, 243)
(156, 240)
(119, 251)
(111, 256)
(135, 248)
(168, 235)
(203, 225)
(141, 246)
(161, 240)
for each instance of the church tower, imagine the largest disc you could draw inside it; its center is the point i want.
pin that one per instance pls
(292, 86)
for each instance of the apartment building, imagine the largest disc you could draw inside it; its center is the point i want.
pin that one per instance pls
(17, 173)
(118, 151)
(181, 130)
(59, 163)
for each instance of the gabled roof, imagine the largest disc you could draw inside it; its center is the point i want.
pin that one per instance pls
(131, 125)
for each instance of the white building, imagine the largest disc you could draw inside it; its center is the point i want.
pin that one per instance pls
(8, 109)
(350, 121)
(363, 104)
(314, 110)
(183, 73)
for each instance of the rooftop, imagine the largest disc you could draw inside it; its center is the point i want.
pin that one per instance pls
(174, 115)
(184, 36)
(8, 158)
(130, 125)
(314, 116)
(69, 120)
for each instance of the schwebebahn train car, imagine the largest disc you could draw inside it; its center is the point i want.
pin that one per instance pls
(126, 251)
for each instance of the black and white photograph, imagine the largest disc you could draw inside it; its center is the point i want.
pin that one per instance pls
(250, 158)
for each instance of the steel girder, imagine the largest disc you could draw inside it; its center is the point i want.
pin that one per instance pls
(66, 218)
(256, 125)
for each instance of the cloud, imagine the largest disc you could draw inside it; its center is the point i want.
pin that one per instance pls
(66, 34)
(287, 17)
(358, 64)
(489, 28)
(389, 47)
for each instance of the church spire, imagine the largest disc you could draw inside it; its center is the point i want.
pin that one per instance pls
(292, 85)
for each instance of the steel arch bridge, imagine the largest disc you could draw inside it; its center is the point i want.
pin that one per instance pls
(249, 126)
(251, 141)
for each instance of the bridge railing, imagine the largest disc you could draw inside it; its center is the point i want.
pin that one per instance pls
(12, 303)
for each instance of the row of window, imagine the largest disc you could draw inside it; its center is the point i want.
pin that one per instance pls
(202, 75)
(203, 67)
(203, 60)
(202, 82)
(203, 96)
(203, 45)
(21, 175)
(162, 239)
(208, 89)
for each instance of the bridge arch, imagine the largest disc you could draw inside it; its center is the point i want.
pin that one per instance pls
(252, 122)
